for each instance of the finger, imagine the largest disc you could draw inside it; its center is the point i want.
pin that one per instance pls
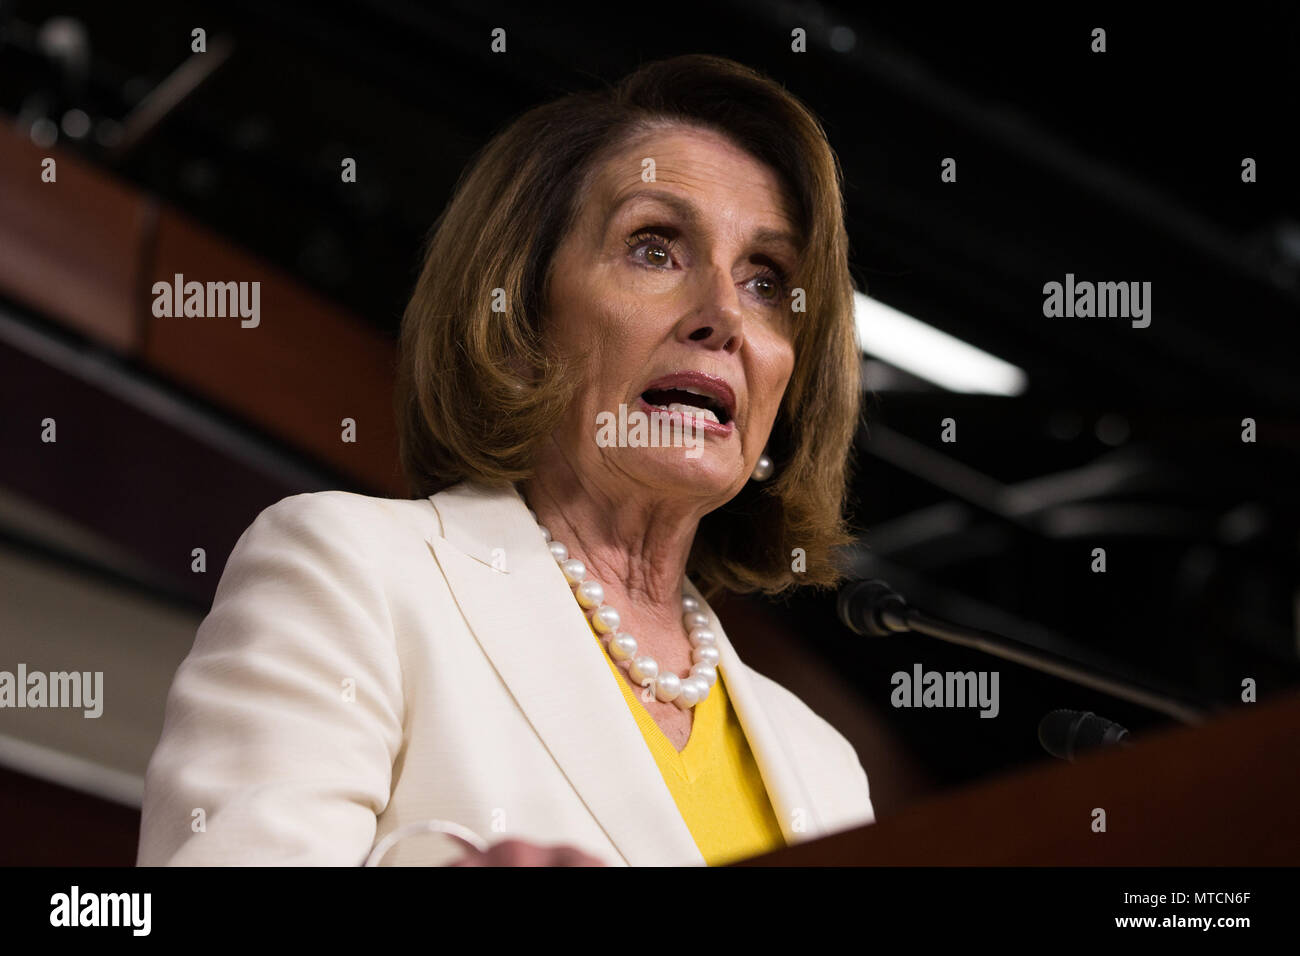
(520, 853)
(570, 856)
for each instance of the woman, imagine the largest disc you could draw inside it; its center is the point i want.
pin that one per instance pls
(524, 652)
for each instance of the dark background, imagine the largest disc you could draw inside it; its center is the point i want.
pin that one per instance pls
(1122, 166)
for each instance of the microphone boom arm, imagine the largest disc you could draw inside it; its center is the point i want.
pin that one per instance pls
(874, 608)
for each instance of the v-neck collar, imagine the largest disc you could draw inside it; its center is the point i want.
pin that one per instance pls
(691, 761)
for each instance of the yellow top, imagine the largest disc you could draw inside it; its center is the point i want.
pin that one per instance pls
(714, 780)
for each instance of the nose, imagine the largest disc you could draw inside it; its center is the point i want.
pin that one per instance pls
(716, 321)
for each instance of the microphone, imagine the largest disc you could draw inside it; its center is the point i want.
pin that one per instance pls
(1065, 733)
(863, 606)
(873, 609)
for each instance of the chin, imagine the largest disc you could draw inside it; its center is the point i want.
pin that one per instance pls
(714, 472)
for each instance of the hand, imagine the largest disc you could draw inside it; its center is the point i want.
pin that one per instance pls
(522, 853)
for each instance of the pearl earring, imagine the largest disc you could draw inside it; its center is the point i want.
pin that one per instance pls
(763, 468)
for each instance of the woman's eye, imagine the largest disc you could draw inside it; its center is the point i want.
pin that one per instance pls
(770, 286)
(658, 246)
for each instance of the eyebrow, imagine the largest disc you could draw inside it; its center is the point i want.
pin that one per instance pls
(687, 210)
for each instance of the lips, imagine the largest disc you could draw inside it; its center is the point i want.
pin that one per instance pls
(687, 420)
(697, 389)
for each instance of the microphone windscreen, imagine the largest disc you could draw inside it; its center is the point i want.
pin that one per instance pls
(1065, 733)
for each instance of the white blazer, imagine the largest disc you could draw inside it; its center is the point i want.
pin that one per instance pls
(365, 666)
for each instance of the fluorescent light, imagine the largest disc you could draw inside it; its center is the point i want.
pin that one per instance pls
(927, 353)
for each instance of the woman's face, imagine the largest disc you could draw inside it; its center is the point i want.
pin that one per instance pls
(679, 278)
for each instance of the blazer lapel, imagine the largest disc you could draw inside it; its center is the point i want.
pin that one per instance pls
(786, 781)
(522, 612)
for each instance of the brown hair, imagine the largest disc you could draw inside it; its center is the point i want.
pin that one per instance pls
(477, 392)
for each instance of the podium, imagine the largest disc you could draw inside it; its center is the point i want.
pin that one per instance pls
(1225, 793)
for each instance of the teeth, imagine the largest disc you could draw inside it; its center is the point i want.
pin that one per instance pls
(704, 413)
(708, 395)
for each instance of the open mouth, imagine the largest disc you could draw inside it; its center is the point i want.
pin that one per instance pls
(687, 402)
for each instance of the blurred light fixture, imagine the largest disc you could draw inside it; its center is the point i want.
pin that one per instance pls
(924, 351)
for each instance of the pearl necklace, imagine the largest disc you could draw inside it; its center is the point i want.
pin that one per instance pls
(622, 647)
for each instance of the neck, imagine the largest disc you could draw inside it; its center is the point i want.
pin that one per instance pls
(636, 547)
